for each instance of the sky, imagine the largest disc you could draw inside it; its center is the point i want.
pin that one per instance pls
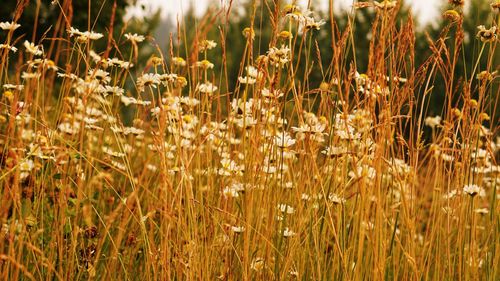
(424, 9)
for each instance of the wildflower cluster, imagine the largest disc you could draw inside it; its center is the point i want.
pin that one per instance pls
(108, 162)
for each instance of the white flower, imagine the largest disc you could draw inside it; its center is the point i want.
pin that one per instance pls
(482, 211)
(92, 35)
(84, 36)
(253, 72)
(26, 165)
(86, 86)
(128, 100)
(245, 122)
(336, 199)
(178, 61)
(276, 93)
(485, 75)
(147, 79)
(133, 131)
(287, 232)
(191, 102)
(305, 197)
(207, 88)
(363, 171)
(238, 229)
(117, 91)
(284, 208)
(207, 45)
(151, 167)
(33, 49)
(367, 225)
(43, 63)
(332, 151)
(134, 38)
(118, 165)
(283, 140)
(69, 128)
(230, 192)
(311, 23)
(13, 87)
(205, 64)
(26, 75)
(97, 58)
(74, 32)
(479, 154)
(347, 132)
(447, 157)
(9, 25)
(100, 75)
(473, 190)
(113, 153)
(433, 121)
(233, 190)
(119, 63)
(241, 107)
(487, 35)
(70, 76)
(168, 78)
(247, 80)
(8, 47)
(229, 166)
(279, 57)
(385, 5)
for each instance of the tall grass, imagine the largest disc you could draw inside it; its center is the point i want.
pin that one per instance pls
(280, 179)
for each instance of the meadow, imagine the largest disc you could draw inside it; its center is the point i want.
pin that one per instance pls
(109, 171)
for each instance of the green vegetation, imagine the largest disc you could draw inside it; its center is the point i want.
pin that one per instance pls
(275, 144)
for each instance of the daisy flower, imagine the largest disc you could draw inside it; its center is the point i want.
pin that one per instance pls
(9, 25)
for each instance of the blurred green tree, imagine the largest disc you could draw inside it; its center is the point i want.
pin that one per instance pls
(477, 12)
(41, 17)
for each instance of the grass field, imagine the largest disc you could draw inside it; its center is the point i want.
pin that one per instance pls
(111, 172)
